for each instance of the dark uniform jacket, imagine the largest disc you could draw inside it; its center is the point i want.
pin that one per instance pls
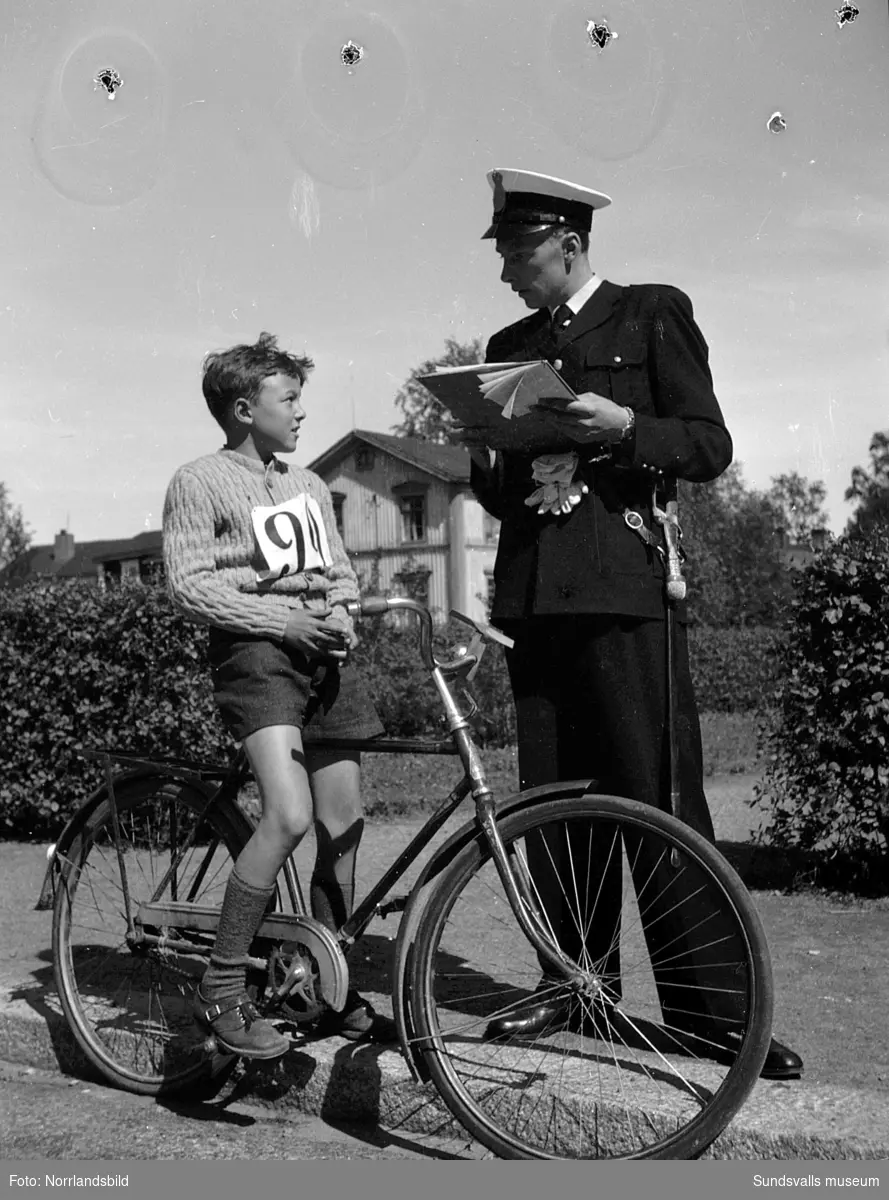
(640, 347)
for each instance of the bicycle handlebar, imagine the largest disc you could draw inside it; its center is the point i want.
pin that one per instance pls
(375, 606)
(372, 606)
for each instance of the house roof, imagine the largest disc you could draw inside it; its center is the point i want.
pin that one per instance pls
(143, 545)
(40, 561)
(450, 463)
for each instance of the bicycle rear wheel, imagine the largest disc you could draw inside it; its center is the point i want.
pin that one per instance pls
(129, 1005)
(664, 940)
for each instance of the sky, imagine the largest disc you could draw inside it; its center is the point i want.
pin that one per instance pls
(243, 179)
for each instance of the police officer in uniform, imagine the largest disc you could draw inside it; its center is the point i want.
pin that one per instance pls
(578, 590)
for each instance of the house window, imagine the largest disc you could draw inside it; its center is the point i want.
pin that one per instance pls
(413, 517)
(489, 592)
(414, 583)
(364, 459)
(338, 501)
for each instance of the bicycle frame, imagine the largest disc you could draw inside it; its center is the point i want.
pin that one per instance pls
(181, 914)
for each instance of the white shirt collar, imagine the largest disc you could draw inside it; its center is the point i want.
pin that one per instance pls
(580, 297)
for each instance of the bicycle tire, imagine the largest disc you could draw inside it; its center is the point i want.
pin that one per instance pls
(611, 1081)
(130, 1007)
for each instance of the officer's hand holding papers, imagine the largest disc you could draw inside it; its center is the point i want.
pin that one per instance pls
(508, 406)
(589, 418)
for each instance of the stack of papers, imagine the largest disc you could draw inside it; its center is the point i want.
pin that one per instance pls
(503, 400)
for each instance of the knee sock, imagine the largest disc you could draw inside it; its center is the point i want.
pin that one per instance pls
(243, 908)
(331, 899)
(332, 888)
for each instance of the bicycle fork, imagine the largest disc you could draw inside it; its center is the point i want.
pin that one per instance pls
(532, 924)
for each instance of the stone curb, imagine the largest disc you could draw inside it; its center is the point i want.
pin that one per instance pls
(338, 1080)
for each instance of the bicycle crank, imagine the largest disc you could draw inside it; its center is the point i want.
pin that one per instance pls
(308, 966)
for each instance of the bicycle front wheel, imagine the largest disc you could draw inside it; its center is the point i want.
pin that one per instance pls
(655, 1040)
(129, 1004)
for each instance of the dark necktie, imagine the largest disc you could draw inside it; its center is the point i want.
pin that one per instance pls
(562, 318)
(550, 334)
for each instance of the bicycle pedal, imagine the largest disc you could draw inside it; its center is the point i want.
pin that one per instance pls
(210, 1046)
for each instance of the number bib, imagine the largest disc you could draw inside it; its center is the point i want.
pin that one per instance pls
(291, 538)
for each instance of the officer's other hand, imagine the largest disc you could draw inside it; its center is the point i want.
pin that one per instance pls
(589, 418)
(474, 440)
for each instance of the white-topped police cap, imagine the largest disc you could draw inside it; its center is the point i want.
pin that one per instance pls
(525, 202)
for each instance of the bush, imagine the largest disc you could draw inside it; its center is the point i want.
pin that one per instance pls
(827, 780)
(86, 668)
(734, 669)
(405, 697)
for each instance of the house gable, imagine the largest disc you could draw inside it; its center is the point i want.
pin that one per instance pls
(450, 464)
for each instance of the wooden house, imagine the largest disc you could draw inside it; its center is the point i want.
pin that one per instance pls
(409, 520)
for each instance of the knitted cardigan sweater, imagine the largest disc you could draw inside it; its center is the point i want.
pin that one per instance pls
(212, 557)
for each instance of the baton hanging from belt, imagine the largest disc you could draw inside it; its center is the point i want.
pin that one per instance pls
(672, 555)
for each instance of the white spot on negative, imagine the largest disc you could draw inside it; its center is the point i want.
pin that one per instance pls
(304, 210)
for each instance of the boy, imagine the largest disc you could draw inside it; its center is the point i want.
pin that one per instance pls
(252, 550)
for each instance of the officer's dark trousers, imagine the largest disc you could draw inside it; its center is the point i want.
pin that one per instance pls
(590, 695)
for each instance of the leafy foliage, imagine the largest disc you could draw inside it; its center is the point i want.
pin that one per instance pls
(870, 488)
(423, 417)
(734, 670)
(827, 783)
(731, 533)
(88, 668)
(798, 505)
(14, 536)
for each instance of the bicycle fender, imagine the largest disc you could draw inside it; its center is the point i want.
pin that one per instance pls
(443, 857)
(67, 843)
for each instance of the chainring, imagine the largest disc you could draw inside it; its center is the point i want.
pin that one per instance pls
(310, 965)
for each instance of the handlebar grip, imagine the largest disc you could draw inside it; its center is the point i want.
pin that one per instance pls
(371, 606)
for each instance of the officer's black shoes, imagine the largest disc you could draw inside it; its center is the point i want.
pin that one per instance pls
(781, 1062)
(550, 1010)
(538, 1020)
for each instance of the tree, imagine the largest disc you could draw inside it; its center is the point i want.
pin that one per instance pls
(15, 538)
(871, 488)
(423, 417)
(799, 505)
(735, 571)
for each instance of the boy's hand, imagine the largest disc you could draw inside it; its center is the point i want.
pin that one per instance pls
(314, 635)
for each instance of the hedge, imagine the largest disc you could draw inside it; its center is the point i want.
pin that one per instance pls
(90, 668)
(734, 669)
(826, 787)
(84, 667)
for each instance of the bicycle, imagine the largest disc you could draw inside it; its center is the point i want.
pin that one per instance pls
(138, 874)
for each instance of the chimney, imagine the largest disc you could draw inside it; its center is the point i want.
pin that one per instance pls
(63, 550)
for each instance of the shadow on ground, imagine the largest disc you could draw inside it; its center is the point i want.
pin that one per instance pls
(770, 868)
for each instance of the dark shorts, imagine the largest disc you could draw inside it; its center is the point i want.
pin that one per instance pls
(258, 683)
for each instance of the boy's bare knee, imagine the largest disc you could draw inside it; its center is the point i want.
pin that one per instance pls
(286, 817)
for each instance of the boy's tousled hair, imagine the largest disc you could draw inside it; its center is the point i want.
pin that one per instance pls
(230, 374)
